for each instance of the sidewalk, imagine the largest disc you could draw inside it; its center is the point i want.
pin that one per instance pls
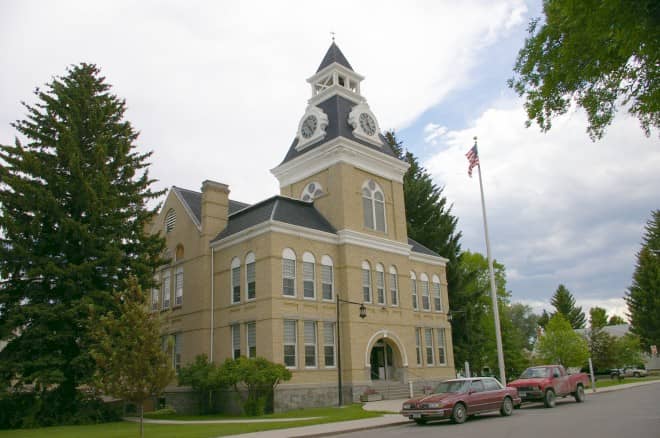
(390, 419)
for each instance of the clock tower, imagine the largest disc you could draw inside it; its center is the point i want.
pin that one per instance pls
(339, 159)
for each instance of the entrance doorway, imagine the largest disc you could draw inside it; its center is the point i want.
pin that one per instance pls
(382, 362)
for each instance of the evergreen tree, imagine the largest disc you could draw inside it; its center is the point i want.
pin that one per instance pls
(616, 320)
(643, 297)
(543, 319)
(597, 317)
(564, 304)
(131, 364)
(73, 222)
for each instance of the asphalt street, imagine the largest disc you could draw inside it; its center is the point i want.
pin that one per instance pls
(631, 413)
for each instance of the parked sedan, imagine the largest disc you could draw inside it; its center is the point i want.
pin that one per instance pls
(628, 372)
(456, 399)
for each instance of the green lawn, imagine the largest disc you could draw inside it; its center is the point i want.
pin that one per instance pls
(126, 429)
(606, 381)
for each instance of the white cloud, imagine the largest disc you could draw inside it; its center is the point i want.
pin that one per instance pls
(561, 209)
(433, 132)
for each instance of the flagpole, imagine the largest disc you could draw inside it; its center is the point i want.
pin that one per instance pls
(493, 290)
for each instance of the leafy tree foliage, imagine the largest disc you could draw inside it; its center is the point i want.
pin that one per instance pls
(643, 297)
(601, 348)
(72, 229)
(560, 344)
(544, 319)
(259, 376)
(627, 350)
(525, 322)
(204, 378)
(597, 317)
(598, 54)
(564, 304)
(616, 320)
(131, 364)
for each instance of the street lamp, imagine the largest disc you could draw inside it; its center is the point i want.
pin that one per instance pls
(363, 314)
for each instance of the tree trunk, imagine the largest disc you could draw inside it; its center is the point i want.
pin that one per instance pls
(141, 419)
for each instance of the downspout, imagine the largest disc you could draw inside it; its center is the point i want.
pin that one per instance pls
(212, 306)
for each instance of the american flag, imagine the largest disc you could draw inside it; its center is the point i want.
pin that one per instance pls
(473, 158)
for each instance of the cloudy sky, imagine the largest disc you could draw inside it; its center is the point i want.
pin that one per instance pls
(217, 90)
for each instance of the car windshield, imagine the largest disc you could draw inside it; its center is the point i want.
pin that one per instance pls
(451, 386)
(533, 373)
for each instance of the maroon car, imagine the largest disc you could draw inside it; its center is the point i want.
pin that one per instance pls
(458, 398)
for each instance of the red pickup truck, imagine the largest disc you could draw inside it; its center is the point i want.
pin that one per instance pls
(547, 382)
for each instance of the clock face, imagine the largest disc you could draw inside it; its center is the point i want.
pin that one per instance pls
(308, 126)
(368, 124)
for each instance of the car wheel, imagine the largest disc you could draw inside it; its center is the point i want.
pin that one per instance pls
(507, 407)
(635, 374)
(579, 394)
(420, 421)
(549, 399)
(459, 414)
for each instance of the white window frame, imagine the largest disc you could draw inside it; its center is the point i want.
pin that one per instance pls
(327, 266)
(426, 297)
(394, 287)
(429, 347)
(373, 197)
(413, 291)
(329, 343)
(250, 277)
(289, 343)
(437, 293)
(288, 257)
(366, 282)
(178, 286)
(235, 341)
(381, 299)
(235, 280)
(167, 289)
(251, 339)
(311, 342)
(442, 345)
(309, 276)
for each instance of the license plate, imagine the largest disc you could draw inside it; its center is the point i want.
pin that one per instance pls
(417, 416)
(522, 394)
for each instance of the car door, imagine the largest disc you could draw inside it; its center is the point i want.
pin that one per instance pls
(560, 381)
(477, 398)
(494, 394)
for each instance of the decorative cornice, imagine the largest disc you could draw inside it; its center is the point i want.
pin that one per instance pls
(340, 150)
(351, 237)
(429, 259)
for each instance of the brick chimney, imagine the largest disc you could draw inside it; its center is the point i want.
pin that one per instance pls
(215, 208)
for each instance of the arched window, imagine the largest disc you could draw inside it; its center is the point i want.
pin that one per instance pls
(327, 282)
(311, 191)
(380, 284)
(250, 276)
(394, 287)
(170, 220)
(413, 290)
(179, 253)
(288, 272)
(373, 205)
(235, 280)
(437, 296)
(426, 304)
(309, 276)
(366, 282)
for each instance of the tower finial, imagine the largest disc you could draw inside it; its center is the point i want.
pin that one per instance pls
(333, 36)
(475, 140)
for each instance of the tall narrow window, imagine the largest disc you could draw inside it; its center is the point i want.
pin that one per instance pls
(428, 343)
(235, 341)
(309, 276)
(329, 344)
(366, 282)
(437, 295)
(394, 287)
(235, 280)
(413, 290)
(418, 345)
(290, 341)
(155, 295)
(178, 286)
(442, 358)
(166, 290)
(373, 206)
(380, 284)
(288, 273)
(170, 220)
(178, 348)
(250, 276)
(426, 304)
(327, 278)
(310, 344)
(251, 329)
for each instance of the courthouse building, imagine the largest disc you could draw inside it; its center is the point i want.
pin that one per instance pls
(285, 278)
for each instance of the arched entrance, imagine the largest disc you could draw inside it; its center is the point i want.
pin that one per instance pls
(386, 358)
(382, 361)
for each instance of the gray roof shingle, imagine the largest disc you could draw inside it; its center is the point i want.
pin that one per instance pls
(418, 247)
(334, 55)
(194, 201)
